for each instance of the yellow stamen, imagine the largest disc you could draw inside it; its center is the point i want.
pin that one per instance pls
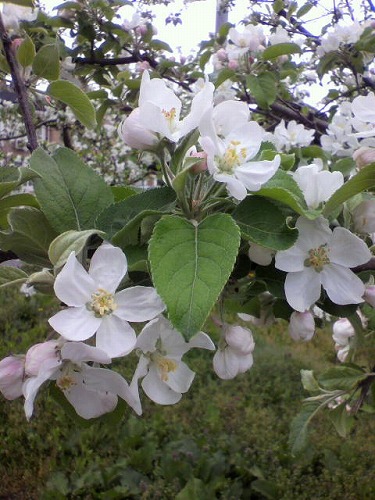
(318, 258)
(102, 303)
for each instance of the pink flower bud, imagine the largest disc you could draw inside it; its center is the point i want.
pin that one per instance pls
(302, 326)
(369, 295)
(239, 338)
(38, 354)
(233, 64)
(201, 166)
(364, 217)
(342, 332)
(182, 59)
(143, 66)
(222, 55)
(364, 156)
(12, 371)
(141, 30)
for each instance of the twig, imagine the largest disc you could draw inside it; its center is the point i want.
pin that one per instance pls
(19, 87)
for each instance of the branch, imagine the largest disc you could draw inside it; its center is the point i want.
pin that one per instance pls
(19, 87)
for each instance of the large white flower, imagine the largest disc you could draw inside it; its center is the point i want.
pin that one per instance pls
(316, 184)
(92, 391)
(165, 376)
(159, 112)
(229, 158)
(94, 307)
(321, 257)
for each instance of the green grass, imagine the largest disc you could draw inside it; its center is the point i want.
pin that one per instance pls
(225, 439)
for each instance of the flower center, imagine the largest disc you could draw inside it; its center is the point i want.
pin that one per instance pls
(102, 303)
(165, 365)
(170, 116)
(318, 258)
(233, 157)
(65, 382)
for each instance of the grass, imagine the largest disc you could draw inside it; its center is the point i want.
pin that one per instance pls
(225, 439)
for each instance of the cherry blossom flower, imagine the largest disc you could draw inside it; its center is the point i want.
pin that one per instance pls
(92, 391)
(94, 307)
(321, 257)
(301, 326)
(165, 376)
(230, 158)
(235, 352)
(293, 135)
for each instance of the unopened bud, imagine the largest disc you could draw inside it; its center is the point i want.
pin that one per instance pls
(369, 295)
(233, 64)
(342, 332)
(302, 326)
(222, 55)
(364, 217)
(364, 156)
(200, 166)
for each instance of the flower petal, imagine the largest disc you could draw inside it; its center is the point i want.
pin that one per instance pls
(181, 378)
(302, 289)
(75, 323)
(342, 285)
(157, 390)
(90, 404)
(347, 249)
(78, 352)
(234, 186)
(115, 336)
(202, 341)
(107, 267)
(139, 303)
(73, 285)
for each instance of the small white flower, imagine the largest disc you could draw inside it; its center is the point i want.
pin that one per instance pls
(94, 307)
(293, 135)
(165, 376)
(235, 352)
(321, 257)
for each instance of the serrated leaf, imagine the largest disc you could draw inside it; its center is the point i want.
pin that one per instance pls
(190, 265)
(11, 276)
(70, 241)
(70, 194)
(361, 181)
(282, 187)
(29, 236)
(224, 75)
(76, 99)
(280, 49)
(263, 223)
(263, 88)
(342, 377)
(26, 52)
(309, 382)
(298, 437)
(342, 420)
(46, 63)
(15, 200)
(11, 177)
(120, 218)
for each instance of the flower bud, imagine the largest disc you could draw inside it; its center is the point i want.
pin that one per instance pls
(233, 64)
(364, 217)
(134, 134)
(260, 255)
(302, 326)
(369, 295)
(201, 166)
(239, 338)
(11, 376)
(364, 156)
(342, 332)
(222, 55)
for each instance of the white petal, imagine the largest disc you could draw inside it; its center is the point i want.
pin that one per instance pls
(245, 362)
(291, 260)
(73, 285)
(107, 267)
(302, 289)
(75, 323)
(234, 186)
(342, 285)
(31, 386)
(90, 404)
(148, 337)
(181, 378)
(157, 390)
(139, 303)
(347, 249)
(312, 233)
(202, 341)
(226, 363)
(115, 337)
(78, 352)
(256, 173)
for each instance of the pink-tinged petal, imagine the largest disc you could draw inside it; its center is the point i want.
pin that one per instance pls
(78, 352)
(73, 285)
(107, 267)
(202, 341)
(115, 337)
(225, 363)
(12, 369)
(347, 249)
(31, 386)
(302, 289)
(342, 285)
(234, 186)
(139, 303)
(90, 404)
(157, 390)
(75, 323)
(181, 378)
(38, 354)
(245, 363)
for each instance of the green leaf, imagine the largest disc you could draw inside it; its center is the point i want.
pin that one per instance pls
(122, 192)
(282, 187)
(26, 52)
(280, 49)
(326, 63)
(29, 236)
(224, 75)
(70, 241)
(190, 265)
(268, 489)
(119, 219)
(11, 276)
(309, 382)
(46, 63)
(361, 181)
(263, 223)
(23, 3)
(76, 99)
(343, 377)
(160, 45)
(11, 177)
(15, 200)
(342, 420)
(298, 437)
(70, 194)
(194, 489)
(263, 88)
